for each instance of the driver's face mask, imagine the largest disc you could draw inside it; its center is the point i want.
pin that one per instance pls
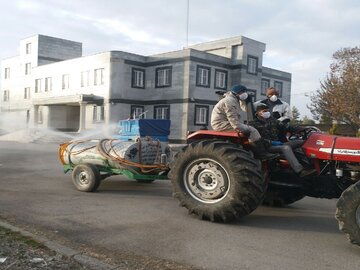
(265, 115)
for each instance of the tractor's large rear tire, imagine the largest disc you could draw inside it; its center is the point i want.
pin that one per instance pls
(217, 180)
(348, 213)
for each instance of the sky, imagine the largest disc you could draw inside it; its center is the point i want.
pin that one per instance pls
(300, 35)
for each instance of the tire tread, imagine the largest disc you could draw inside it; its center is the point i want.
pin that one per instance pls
(248, 182)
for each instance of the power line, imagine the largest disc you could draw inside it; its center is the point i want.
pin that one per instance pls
(302, 93)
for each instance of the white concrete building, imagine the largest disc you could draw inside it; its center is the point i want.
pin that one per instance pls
(50, 83)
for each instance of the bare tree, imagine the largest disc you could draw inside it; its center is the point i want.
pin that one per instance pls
(307, 121)
(339, 95)
(296, 116)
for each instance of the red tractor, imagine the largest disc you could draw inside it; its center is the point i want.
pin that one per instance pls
(217, 178)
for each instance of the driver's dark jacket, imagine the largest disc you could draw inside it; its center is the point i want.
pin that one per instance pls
(271, 129)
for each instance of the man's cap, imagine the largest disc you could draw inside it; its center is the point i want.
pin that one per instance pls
(238, 88)
(261, 106)
(271, 91)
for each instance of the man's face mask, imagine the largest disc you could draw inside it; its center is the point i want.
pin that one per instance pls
(243, 96)
(265, 115)
(273, 98)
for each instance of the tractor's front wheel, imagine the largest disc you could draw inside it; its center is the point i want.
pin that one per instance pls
(348, 213)
(217, 181)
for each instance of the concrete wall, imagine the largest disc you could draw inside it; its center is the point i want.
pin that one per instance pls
(119, 111)
(64, 117)
(32, 56)
(58, 117)
(121, 73)
(14, 120)
(15, 84)
(73, 68)
(46, 49)
(223, 47)
(251, 48)
(43, 121)
(52, 49)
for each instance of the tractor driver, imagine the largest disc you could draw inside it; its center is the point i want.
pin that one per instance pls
(271, 130)
(226, 117)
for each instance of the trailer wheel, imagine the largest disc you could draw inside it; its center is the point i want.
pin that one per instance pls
(348, 213)
(86, 177)
(217, 180)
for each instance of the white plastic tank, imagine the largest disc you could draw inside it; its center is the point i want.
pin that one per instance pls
(115, 153)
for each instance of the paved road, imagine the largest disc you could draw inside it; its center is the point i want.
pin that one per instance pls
(125, 217)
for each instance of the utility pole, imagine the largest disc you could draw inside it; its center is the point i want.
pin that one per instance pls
(187, 24)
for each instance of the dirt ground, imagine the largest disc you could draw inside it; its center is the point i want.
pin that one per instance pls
(23, 253)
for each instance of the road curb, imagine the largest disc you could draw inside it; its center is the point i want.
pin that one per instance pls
(85, 260)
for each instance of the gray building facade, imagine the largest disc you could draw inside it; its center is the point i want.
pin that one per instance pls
(50, 84)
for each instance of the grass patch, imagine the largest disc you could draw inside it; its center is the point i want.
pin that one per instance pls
(8, 235)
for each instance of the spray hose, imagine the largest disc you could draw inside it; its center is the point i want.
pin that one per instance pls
(144, 168)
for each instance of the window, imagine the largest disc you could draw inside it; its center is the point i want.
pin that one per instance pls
(252, 65)
(37, 85)
(279, 87)
(137, 112)
(28, 48)
(265, 84)
(201, 115)
(48, 84)
(162, 112)
(98, 76)
(7, 73)
(137, 78)
(6, 96)
(85, 78)
(65, 81)
(163, 77)
(220, 79)
(27, 68)
(27, 93)
(98, 114)
(203, 76)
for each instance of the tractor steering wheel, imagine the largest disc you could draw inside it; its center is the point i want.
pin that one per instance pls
(303, 133)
